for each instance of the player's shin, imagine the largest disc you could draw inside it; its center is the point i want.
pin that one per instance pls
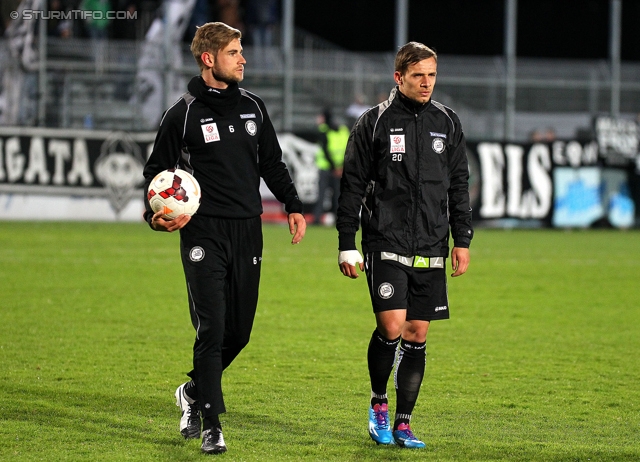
(380, 358)
(408, 378)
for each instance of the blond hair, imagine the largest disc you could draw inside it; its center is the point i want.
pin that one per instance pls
(212, 37)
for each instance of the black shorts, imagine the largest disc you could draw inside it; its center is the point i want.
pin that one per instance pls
(416, 284)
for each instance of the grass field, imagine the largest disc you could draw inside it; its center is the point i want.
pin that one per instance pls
(540, 360)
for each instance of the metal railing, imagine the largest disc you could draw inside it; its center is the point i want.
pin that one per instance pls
(98, 84)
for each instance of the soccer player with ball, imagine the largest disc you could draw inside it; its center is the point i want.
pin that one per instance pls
(220, 134)
(405, 179)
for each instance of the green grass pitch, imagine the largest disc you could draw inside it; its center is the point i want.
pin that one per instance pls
(539, 362)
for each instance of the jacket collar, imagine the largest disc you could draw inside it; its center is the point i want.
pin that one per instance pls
(220, 101)
(411, 105)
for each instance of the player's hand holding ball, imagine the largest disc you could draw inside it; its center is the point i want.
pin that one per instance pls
(160, 224)
(174, 195)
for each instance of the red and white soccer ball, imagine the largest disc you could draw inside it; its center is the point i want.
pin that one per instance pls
(174, 192)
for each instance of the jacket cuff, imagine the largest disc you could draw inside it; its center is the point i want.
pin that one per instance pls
(147, 216)
(347, 241)
(294, 206)
(463, 238)
(462, 241)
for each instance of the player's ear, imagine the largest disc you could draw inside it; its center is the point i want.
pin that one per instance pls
(397, 76)
(207, 58)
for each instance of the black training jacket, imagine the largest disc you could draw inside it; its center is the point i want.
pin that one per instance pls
(406, 170)
(225, 139)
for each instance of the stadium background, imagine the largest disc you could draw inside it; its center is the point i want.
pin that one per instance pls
(539, 360)
(548, 94)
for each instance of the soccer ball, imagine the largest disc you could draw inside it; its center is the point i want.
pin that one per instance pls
(174, 192)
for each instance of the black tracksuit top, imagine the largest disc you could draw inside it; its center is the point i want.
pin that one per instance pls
(225, 139)
(406, 169)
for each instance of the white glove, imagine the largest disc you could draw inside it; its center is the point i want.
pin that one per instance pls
(350, 256)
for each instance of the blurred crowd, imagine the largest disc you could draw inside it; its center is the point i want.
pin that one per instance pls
(257, 19)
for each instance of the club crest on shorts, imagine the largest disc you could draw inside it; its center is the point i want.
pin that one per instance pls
(438, 145)
(251, 127)
(196, 254)
(385, 290)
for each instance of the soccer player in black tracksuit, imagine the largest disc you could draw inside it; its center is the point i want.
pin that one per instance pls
(406, 174)
(221, 134)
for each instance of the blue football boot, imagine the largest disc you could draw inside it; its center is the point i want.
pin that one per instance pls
(404, 437)
(379, 428)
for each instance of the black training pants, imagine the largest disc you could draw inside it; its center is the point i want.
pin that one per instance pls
(221, 260)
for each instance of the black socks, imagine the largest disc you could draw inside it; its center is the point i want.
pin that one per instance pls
(380, 357)
(410, 366)
(408, 378)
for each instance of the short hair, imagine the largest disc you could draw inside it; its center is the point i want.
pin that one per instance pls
(411, 53)
(212, 37)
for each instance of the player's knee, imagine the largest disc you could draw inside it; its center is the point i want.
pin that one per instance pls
(390, 331)
(415, 331)
(210, 337)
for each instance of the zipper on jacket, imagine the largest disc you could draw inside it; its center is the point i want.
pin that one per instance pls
(416, 205)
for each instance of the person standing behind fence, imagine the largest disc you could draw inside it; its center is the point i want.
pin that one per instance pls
(97, 20)
(97, 26)
(329, 159)
(406, 179)
(262, 17)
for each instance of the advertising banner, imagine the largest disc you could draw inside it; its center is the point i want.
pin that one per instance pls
(81, 164)
(560, 183)
(97, 175)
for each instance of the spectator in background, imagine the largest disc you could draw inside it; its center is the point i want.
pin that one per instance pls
(96, 26)
(228, 12)
(97, 23)
(329, 159)
(356, 109)
(200, 15)
(262, 18)
(125, 28)
(57, 27)
(6, 7)
(546, 135)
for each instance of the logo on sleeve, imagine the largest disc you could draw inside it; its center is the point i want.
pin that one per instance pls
(397, 143)
(210, 132)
